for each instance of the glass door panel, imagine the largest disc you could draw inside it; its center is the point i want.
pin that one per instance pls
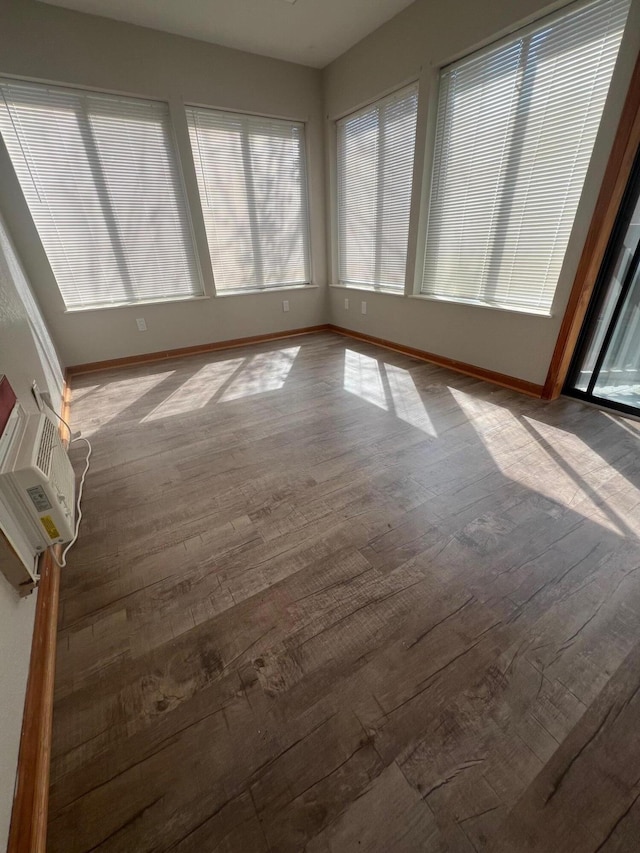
(606, 365)
(619, 376)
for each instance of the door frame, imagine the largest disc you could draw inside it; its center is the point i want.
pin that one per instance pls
(614, 183)
(601, 295)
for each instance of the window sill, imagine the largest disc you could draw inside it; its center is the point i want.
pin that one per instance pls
(362, 288)
(278, 288)
(530, 312)
(86, 308)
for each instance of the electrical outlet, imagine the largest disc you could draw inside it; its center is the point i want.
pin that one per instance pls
(363, 307)
(285, 304)
(42, 398)
(141, 323)
(37, 395)
(346, 304)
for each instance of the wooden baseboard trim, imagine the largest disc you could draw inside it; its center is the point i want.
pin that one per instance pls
(521, 385)
(512, 382)
(28, 831)
(163, 355)
(65, 412)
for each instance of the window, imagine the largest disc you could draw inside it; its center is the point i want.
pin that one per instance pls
(100, 176)
(253, 188)
(515, 131)
(375, 171)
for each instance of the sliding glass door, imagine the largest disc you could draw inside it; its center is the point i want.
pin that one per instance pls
(606, 365)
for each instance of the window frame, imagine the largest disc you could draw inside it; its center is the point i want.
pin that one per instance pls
(225, 293)
(333, 201)
(178, 155)
(519, 30)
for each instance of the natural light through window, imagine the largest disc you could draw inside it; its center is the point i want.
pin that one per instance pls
(376, 149)
(515, 130)
(264, 372)
(252, 177)
(362, 378)
(223, 381)
(601, 479)
(124, 394)
(536, 455)
(388, 387)
(198, 390)
(100, 176)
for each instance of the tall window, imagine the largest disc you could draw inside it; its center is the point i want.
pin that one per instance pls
(515, 131)
(253, 189)
(375, 171)
(100, 176)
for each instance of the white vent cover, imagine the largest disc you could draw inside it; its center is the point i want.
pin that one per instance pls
(37, 484)
(45, 450)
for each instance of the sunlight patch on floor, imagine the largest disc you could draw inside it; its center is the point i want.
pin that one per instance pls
(388, 387)
(267, 371)
(609, 487)
(116, 398)
(528, 452)
(196, 391)
(362, 378)
(81, 393)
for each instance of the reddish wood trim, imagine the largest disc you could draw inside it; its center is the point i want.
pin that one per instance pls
(28, 832)
(616, 176)
(522, 385)
(65, 414)
(94, 366)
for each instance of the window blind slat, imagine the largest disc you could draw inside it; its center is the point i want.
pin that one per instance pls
(375, 172)
(515, 131)
(253, 188)
(100, 176)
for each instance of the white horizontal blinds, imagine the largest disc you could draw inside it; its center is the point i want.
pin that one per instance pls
(376, 149)
(253, 188)
(515, 131)
(100, 176)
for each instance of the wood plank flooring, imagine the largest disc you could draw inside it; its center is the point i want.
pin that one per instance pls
(330, 598)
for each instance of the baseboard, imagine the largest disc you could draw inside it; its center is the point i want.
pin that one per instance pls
(28, 831)
(163, 355)
(65, 412)
(512, 382)
(506, 381)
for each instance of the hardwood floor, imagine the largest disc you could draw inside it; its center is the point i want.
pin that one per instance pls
(330, 598)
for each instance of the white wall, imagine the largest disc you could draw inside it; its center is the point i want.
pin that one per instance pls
(44, 42)
(16, 628)
(49, 43)
(58, 45)
(412, 46)
(26, 353)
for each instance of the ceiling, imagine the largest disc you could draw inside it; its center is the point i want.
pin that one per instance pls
(312, 32)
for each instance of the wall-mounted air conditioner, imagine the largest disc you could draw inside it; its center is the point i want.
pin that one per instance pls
(37, 484)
